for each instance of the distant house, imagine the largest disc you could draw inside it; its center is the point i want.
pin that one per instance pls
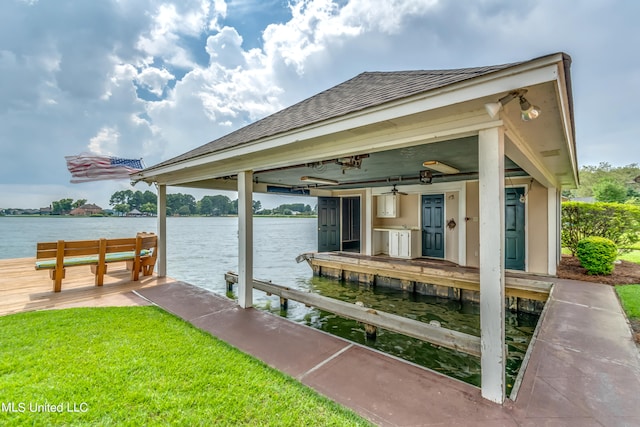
(134, 212)
(46, 211)
(86, 210)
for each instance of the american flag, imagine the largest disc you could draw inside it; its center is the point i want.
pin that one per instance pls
(87, 167)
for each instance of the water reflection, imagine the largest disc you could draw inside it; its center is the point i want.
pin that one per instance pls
(457, 315)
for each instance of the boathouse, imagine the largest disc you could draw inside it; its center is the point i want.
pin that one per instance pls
(464, 165)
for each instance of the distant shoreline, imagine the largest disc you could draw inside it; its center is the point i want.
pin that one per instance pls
(174, 216)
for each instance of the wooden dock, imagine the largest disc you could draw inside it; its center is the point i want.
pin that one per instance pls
(427, 276)
(22, 288)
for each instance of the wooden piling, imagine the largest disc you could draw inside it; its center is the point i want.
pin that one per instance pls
(371, 331)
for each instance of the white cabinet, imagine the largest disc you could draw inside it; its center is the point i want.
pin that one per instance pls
(388, 206)
(403, 244)
(394, 243)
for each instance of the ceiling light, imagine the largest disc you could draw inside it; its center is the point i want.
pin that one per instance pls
(319, 180)
(527, 111)
(440, 167)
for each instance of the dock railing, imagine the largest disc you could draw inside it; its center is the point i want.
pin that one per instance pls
(433, 334)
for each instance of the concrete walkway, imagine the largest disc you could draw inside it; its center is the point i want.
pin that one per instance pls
(584, 369)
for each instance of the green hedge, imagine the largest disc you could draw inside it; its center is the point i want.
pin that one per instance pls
(614, 221)
(597, 254)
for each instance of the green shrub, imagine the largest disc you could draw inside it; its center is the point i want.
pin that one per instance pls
(597, 254)
(617, 222)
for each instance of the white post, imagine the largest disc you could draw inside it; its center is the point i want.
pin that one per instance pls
(491, 177)
(368, 222)
(553, 239)
(245, 239)
(162, 231)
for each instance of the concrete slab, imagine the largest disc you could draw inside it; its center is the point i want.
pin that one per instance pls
(392, 392)
(185, 300)
(584, 369)
(278, 342)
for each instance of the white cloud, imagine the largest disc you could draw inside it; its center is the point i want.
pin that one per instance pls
(173, 21)
(225, 48)
(155, 79)
(310, 29)
(387, 16)
(105, 142)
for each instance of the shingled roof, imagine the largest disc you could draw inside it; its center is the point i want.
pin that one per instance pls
(366, 90)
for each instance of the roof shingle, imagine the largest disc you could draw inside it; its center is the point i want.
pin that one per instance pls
(366, 90)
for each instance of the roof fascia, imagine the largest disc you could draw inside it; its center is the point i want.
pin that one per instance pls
(280, 157)
(563, 95)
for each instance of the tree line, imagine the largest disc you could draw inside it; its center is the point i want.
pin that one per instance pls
(610, 184)
(179, 204)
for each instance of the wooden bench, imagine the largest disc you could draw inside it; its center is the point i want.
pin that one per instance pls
(139, 252)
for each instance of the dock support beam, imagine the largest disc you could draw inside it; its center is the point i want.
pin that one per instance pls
(245, 239)
(162, 231)
(492, 287)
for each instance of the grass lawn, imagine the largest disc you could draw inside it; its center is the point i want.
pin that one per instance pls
(633, 256)
(630, 297)
(141, 366)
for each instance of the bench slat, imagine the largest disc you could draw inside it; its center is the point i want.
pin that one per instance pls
(120, 248)
(88, 260)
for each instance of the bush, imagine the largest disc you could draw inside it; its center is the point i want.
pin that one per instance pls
(617, 222)
(597, 254)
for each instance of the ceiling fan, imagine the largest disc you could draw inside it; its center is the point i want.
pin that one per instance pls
(395, 191)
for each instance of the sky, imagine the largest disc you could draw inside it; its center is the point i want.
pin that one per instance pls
(152, 79)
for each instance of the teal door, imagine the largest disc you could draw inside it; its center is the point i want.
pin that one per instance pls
(328, 224)
(433, 225)
(514, 242)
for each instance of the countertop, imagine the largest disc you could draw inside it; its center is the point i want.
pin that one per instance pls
(395, 228)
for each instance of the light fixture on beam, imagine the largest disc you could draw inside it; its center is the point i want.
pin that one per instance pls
(440, 167)
(528, 112)
(319, 180)
(426, 177)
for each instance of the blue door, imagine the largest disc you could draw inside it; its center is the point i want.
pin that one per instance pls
(433, 225)
(514, 240)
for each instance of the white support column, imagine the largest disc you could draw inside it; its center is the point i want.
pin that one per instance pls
(162, 231)
(368, 221)
(245, 239)
(553, 239)
(492, 328)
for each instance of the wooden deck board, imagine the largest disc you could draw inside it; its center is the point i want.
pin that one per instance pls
(22, 288)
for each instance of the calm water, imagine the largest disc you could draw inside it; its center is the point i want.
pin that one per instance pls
(201, 250)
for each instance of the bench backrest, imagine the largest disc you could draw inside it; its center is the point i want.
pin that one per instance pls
(78, 248)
